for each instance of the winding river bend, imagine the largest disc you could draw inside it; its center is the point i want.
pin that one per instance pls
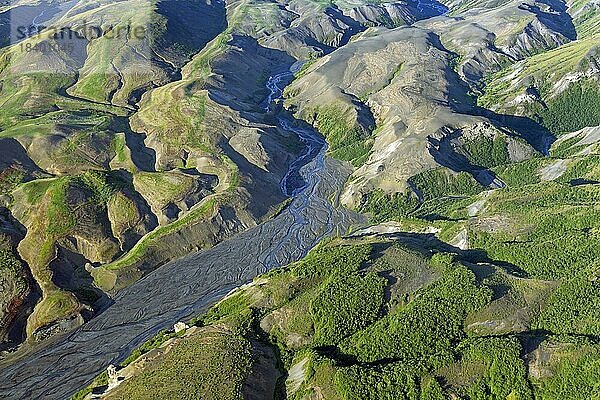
(186, 287)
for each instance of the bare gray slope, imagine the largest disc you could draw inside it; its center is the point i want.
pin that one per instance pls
(422, 108)
(491, 35)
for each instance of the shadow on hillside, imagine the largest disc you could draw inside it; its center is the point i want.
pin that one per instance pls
(444, 154)
(562, 24)
(428, 244)
(142, 156)
(239, 81)
(540, 138)
(189, 27)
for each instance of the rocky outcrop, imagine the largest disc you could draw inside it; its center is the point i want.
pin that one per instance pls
(58, 327)
(454, 148)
